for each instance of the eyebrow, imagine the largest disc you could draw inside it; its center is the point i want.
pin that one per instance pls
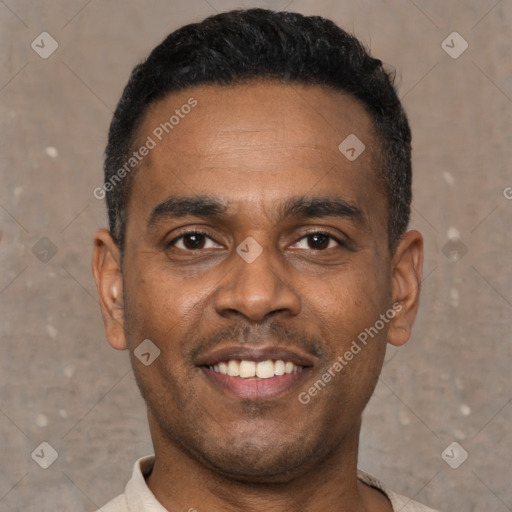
(317, 207)
(207, 207)
(182, 206)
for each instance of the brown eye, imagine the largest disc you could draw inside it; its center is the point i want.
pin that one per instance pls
(194, 241)
(318, 241)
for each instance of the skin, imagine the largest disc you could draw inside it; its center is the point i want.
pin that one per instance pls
(252, 147)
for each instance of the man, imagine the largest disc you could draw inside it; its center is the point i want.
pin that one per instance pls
(258, 184)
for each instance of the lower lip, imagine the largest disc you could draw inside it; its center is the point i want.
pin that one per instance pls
(253, 388)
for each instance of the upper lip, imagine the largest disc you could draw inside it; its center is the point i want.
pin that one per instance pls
(255, 353)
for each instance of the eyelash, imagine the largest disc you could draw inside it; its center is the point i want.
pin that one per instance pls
(340, 243)
(305, 235)
(193, 232)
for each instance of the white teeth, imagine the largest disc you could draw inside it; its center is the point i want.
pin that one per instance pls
(233, 368)
(247, 369)
(279, 367)
(223, 368)
(265, 369)
(250, 369)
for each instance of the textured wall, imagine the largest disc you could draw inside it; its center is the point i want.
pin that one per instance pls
(62, 384)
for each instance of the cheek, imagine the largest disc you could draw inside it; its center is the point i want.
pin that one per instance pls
(162, 306)
(345, 312)
(351, 300)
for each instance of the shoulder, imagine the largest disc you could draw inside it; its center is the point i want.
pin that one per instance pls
(136, 493)
(405, 504)
(118, 504)
(399, 503)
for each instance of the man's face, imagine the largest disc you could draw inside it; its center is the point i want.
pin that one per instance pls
(282, 256)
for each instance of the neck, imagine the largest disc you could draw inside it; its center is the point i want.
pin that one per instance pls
(180, 481)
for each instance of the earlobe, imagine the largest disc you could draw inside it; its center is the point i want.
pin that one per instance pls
(108, 276)
(406, 285)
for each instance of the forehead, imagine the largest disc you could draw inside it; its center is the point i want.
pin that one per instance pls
(260, 113)
(257, 140)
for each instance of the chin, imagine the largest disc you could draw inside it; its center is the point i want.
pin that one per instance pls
(279, 461)
(248, 470)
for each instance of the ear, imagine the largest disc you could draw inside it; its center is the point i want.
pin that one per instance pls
(106, 269)
(405, 288)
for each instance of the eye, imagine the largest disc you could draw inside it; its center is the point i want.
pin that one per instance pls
(318, 241)
(193, 241)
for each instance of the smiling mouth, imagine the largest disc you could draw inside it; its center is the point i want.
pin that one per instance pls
(269, 379)
(256, 372)
(246, 369)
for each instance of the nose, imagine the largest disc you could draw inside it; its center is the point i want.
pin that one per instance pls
(256, 287)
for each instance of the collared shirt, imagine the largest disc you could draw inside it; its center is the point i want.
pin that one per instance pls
(137, 496)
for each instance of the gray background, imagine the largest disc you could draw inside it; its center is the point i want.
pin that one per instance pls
(59, 380)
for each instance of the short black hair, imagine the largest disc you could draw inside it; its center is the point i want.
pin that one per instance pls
(239, 45)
